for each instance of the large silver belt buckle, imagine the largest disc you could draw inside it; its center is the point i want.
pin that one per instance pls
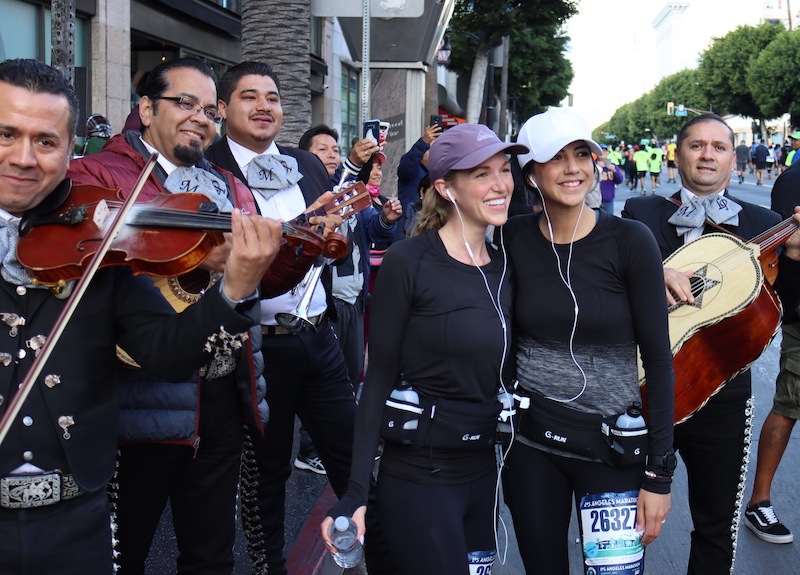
(25, 491)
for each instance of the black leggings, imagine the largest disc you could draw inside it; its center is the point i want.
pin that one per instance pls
(539, 487)
(431, 528)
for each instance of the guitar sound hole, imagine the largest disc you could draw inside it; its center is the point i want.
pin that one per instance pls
(195, 281)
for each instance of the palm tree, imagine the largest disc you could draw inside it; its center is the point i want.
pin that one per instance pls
(278, 32)
(62, 52)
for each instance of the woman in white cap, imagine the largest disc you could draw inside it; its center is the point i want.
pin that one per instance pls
(588, 289)
(440, 324)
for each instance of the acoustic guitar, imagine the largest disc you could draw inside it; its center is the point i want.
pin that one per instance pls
(734, 318)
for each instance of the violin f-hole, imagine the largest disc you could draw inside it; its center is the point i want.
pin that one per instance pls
(82, 242)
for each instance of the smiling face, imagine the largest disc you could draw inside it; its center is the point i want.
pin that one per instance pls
(482, 193)
(567, 178)
(35, 146)
(181, 136)
(326, 149)
(376, 175)
(706, 157)
(253, 117)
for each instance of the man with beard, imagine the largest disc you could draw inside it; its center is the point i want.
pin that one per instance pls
(60, 449)
(183, 441)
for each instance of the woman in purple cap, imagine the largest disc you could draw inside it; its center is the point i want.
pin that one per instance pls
(439, 339)
(588, 290)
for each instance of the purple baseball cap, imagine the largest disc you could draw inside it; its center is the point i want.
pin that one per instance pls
(465, 146)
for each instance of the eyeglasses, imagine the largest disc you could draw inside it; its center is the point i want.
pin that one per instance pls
(193, 107)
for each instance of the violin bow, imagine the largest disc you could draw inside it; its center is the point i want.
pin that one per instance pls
(77, 294)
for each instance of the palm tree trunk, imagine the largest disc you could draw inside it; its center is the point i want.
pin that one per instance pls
(62, 27)
(278, 32)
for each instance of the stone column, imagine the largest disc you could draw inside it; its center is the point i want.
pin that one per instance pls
(111, 61)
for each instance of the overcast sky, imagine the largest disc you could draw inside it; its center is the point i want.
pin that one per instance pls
(610, 46)
(613, 45)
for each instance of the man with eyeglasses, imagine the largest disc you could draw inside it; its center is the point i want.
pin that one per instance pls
(183, 441)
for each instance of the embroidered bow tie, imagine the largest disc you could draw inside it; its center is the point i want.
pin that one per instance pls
(717, 209)
(197, 180)
(12, 271)
(269, 173)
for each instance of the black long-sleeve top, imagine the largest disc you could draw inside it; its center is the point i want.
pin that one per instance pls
(432, 320)
(616, 275)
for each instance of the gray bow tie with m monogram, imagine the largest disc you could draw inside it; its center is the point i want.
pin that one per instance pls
(717, 209)
(269, 173)
(197, 180)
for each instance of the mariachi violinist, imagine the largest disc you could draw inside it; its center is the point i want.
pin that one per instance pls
(59, 453)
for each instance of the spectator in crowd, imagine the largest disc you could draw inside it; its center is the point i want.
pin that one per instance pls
(98, 132)
(414, 165)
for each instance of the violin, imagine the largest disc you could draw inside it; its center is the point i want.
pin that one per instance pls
(167, 236)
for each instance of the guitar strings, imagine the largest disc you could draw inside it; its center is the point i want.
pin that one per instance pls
(734, 261)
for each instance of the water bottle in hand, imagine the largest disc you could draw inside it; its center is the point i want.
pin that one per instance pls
(344, 535)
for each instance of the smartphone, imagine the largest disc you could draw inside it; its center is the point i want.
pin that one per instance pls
(372, 130)
(436, 120)
(384, 133)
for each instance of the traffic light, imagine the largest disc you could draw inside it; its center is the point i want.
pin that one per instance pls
(670, 108)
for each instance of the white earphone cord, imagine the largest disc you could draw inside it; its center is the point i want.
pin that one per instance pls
(568, 282)
(499, 310)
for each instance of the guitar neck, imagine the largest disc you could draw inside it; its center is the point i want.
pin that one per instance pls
(776, 235)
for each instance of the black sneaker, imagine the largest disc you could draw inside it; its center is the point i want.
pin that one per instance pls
(312, 463)
(762, 521)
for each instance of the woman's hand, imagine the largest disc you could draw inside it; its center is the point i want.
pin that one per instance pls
(651, 513)
(358, 517)
(392, 209)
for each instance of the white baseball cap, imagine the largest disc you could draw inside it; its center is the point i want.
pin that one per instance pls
(547, 133)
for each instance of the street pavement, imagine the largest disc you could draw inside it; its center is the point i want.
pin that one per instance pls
(308, 498)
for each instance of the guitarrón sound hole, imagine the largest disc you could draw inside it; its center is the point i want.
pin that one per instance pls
(195, 281)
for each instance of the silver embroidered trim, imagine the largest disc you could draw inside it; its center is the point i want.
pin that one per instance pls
(251, 512)
(748, 439)
(113, 495)
(222, 345)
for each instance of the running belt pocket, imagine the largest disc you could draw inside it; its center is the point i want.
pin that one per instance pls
(463, 425)
(551, 424)
(401, 421)
(626, 446)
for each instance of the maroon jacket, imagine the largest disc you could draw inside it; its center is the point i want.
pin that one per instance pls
(118, 165)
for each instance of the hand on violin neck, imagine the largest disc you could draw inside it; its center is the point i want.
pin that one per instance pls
(255, 243)
(331, 223)
(216, 260)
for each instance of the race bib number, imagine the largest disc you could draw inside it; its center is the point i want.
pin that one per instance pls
(611, 543)
(480, 562)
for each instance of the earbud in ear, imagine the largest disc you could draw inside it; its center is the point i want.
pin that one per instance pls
(449, 195)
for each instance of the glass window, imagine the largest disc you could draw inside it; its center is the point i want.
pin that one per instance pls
(316, 36)
(18, 30)
(350, 111)
(19, 33)
(232, 5)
